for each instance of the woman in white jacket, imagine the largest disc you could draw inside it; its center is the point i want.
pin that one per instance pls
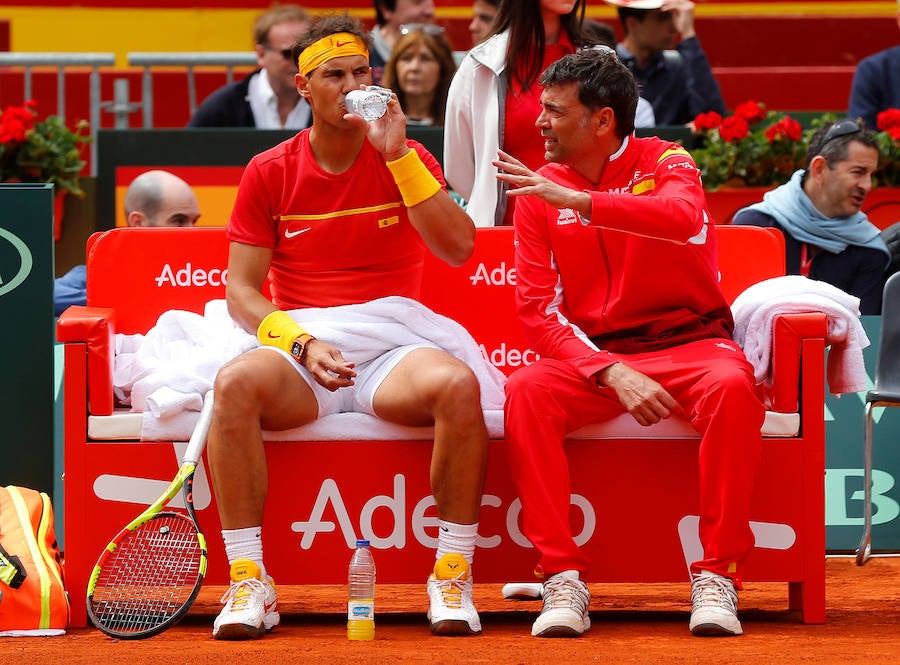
(526, 32)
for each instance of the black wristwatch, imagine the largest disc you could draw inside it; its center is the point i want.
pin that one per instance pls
(298, 348)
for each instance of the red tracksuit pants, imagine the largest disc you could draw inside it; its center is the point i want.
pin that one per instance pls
(712, 382)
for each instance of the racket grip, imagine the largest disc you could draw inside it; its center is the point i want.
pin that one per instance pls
(201, 431)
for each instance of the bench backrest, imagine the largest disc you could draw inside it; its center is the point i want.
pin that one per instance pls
(141, 273)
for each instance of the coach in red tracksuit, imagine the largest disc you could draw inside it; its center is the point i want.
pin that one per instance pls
(618, 291)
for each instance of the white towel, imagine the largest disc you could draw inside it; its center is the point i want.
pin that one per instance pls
(755, 309)
(166, 371)
(370, 329)
(167, 401)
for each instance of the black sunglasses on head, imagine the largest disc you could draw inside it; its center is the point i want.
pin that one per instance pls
(840, 128)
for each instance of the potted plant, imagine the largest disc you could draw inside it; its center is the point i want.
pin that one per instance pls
(33, 150)
(755, 149)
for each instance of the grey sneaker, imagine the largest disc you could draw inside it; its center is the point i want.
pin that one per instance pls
(714, 600)
(565, 609)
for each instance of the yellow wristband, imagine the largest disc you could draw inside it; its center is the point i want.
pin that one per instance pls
(415, 181)
(279, 329)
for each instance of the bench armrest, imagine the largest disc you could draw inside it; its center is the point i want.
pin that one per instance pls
(94, 327)
(782, 392)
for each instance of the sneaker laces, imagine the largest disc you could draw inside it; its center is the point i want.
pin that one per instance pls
(564, 592)
(714, 590)
(452, 590)
(242, 591)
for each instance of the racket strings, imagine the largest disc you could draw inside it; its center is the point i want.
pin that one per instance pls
(149, 576)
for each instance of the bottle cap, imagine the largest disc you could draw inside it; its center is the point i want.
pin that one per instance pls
(362, 543)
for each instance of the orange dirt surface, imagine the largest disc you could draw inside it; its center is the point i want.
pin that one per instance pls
(631, 624)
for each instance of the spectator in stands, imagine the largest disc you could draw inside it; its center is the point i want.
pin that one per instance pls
(595, 32)
(154, 198)
(483, 14)
(494, 99)
(876, 84)
(678, 83)
(342, 214)
(618, 294)
(828, 237)
(389, 16)
(419, 71)
(267, 99)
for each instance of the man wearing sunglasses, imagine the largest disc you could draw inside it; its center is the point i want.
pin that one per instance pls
(819, 211)
(268, 98)
(390, 17)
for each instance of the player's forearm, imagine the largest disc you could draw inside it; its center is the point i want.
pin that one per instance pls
(445, 228)
(248, 306)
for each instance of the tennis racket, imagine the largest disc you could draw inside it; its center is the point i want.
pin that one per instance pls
(148, 577)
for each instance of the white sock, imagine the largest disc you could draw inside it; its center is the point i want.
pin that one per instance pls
(570, 574)
(459, 538)
(244, 544)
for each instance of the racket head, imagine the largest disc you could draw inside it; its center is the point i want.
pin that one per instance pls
(148, 577)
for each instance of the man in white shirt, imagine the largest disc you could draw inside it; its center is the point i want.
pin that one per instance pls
(268, 98)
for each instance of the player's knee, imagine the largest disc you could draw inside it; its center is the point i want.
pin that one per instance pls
(734, 390)
(460, 383)
(234, 384)
(522, 382)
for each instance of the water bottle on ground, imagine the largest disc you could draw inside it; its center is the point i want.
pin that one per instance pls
(361, 593)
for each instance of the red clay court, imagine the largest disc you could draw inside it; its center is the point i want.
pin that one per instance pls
(644, 623)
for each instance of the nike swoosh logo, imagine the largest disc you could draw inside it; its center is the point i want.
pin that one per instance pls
(340, 44)
(271, 606)
(291, 234)
(271, 336)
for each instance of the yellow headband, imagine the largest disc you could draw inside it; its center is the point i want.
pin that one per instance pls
(333, 46)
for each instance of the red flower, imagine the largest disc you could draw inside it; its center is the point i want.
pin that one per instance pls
(889, 121)
(734, 128)
(786, 128)
(15, 121)
(709, 120)
(751, 111)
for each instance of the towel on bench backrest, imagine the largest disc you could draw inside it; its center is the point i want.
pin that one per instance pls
(755, 309)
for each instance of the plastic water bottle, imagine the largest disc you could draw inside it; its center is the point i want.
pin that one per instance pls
(370, 104)
(361, 593)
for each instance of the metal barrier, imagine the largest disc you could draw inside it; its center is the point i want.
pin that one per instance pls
(189, 60)
(61, 61)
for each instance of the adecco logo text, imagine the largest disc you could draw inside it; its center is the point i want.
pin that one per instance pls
(14, 272)
(188, 275)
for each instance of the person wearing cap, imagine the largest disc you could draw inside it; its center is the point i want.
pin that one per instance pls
(340, 217)
(267, 98)
(819, 211)
(390, 15)
(617, 289)
(876, 84)
(678, 82)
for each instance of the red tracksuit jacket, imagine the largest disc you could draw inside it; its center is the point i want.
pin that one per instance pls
(640, 275)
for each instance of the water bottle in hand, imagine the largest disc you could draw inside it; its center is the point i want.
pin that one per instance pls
(369, 104)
